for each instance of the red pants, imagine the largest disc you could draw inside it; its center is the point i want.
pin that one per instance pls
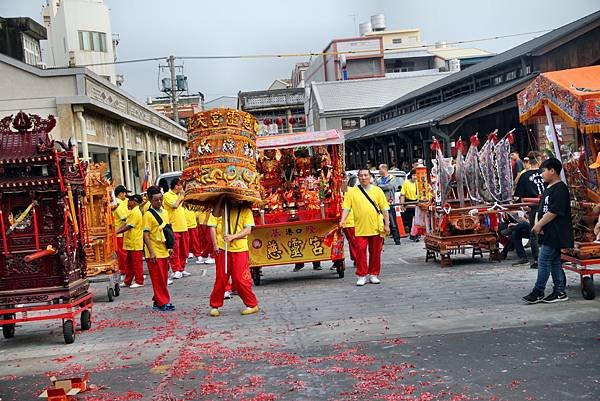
(159, 272)
(375, 245)
(207, 249)
(121, 256)
(238, 269)
(135, 268)
(180, 253)
(194, 240)
(349, 232)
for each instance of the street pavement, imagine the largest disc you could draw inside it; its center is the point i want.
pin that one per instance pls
(425, 333)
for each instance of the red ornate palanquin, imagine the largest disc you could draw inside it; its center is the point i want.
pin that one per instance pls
(42, 218)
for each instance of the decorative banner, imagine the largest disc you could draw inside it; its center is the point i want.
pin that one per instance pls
(421, 180)
(295, 242)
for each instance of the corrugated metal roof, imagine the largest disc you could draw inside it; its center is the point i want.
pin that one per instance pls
(432, 114)
(361, 94)
(507, 56)
(449, 53)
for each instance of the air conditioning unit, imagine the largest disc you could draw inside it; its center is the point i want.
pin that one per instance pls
(120, 79)
(42, 65)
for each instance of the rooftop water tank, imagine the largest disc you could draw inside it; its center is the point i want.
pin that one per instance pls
(454, 65)
(364, 28)
(378, 22)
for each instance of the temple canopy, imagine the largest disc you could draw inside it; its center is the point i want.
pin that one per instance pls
(573, 94)
(285, 140)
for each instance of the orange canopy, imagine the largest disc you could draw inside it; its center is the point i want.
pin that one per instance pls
(573, 94)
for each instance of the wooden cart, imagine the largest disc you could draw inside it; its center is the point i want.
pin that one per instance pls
(303, 201)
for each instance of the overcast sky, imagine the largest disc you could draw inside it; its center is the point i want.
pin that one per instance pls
(156, 28)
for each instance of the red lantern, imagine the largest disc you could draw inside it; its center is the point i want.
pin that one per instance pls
(279, 121)
(303, 120)
(292, 120)
(267, 121)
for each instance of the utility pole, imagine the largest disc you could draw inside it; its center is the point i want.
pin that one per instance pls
(173, 89)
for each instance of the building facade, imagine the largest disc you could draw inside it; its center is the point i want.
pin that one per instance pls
(20, 39)
(79, 34)
(478, 99)
(107, 124)
(279, 110)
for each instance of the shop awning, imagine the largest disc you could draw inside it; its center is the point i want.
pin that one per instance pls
(285, 140)
(572, 94)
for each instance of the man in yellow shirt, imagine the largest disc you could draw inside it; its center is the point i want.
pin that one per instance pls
(173, 204)
(367, 202)
(157, 254)
(408, 193)
(239, 224)
(133, 243)
(120, 211)
(207, 255)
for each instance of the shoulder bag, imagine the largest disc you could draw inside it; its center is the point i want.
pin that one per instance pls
(167, 230)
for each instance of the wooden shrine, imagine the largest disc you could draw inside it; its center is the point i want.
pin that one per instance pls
(42, 218)
(100, 252)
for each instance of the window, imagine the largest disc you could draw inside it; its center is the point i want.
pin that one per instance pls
(31, 50)
(92, 41)
(397, 41)
(497, 79)
(511, 75)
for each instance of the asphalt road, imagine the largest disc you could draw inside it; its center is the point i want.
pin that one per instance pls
(425, 333)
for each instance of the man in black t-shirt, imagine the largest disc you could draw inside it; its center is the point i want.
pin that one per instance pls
(555, 231)
(530, 184)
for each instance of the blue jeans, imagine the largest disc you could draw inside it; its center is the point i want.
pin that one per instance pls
(549, 263)
(520, 231)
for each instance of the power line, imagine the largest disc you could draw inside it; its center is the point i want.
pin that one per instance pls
(308, 54)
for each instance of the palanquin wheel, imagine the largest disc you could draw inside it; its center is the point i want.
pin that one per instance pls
(255, 276)
(69, 331)
(587, 288)
(8, 330)
(86, 320)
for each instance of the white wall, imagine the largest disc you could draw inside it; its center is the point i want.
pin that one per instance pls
(66, 20)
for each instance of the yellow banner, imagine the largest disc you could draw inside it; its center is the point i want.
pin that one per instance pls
(293, 242)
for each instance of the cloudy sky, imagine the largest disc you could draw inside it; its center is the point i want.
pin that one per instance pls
(156, 28)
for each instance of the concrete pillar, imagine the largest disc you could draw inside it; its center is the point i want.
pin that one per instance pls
(116, 166)
(180, 156)
(126, 157)
(157, 155)
(171, 164)
(83, 132)
(141, 165)
(148, 156)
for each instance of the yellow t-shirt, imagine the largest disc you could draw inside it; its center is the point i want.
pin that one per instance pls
(157, 238)
(145, 207)
(133, 239)
(190, 218)
(349, 223)
(202, 217)
(366, 221)
(244, 219)
(176, 215)
(120, 214)
(409, 190)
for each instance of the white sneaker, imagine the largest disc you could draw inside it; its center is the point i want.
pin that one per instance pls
(201, 259)
(209, 261)
(177, 275)
(361, 281)
(191, 255)
(227, 295)
(136, 285)
(185, 273)
(374, 280)
(169, 281)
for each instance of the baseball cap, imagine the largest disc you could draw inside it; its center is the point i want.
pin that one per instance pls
(136, 198)
(120, 189)
(596, 164)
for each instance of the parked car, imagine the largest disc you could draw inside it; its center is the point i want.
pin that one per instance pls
(352, 179)
(164, 180)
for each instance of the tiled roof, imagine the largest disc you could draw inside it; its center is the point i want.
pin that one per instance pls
(365, 94)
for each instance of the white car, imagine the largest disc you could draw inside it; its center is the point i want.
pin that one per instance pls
(164, 180)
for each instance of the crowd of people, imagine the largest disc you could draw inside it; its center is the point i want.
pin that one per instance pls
(166, 232)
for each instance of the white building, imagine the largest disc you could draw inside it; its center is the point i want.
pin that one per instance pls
(79, 33)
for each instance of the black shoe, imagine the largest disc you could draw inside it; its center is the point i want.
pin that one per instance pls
(533, 265)
(503, 254)
(397, 242)
(298, 267)
(556, 297)
(521, 262)
(534, 297)
(317, 267)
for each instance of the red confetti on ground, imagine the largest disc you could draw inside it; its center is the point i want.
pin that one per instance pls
(62, 359)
